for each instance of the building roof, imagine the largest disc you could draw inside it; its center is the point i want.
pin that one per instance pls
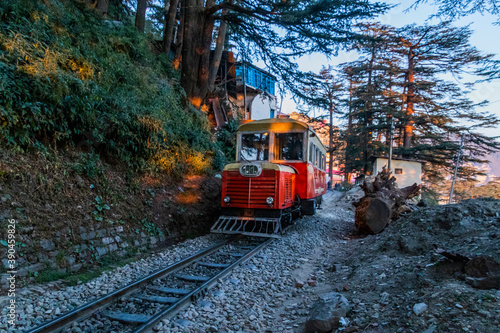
(398, 159)
(249, 64)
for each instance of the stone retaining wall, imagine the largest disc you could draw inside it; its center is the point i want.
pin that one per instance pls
(67, 253)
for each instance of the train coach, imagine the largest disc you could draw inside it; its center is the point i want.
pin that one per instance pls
(279, 174)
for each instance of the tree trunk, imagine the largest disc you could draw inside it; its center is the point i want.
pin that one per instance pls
(373, 215)
(219, 47)
(203, 75)
(330, 132)
(348, 165)
(176, 63)
(369, 113)
(191, 49)
(140, 16)
(408, 128)
(170, 20)
(102, 7)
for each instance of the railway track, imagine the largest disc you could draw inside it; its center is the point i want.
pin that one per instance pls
(141, 305)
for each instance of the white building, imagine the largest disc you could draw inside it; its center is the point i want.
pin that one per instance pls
(407, 172)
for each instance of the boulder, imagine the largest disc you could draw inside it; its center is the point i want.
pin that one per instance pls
(326, 313)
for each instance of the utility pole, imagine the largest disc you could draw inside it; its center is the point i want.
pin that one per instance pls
(330, 161)
(456, 167)
(244, 91)
(390, 144)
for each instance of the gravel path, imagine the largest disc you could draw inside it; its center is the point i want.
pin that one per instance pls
(271, 292)
(40, 303)
(274, 290)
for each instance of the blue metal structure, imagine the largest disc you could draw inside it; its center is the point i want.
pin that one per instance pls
(255, 77)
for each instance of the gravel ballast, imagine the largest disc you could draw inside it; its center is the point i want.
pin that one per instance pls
(258, 296)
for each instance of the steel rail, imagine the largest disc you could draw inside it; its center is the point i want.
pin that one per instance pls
(88, 309)
(183, 302)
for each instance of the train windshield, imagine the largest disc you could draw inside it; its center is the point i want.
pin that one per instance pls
(254, 146)
(289, 146)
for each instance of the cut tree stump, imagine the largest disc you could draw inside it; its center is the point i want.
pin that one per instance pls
(382, 202)
(373, 215)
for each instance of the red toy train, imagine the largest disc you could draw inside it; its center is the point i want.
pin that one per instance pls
(279, 174)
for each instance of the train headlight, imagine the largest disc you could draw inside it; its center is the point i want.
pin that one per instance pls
(250, 170)
(227, 199)
(270, 201)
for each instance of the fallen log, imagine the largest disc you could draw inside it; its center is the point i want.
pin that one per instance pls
(382, 202)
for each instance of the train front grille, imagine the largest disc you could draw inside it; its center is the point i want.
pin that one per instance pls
(250, 192)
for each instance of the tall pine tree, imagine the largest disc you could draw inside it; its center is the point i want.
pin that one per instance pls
(408, 79)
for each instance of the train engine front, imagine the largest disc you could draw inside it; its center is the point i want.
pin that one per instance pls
(259, 192)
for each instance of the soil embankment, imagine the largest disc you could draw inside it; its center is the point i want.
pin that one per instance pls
(75, 213)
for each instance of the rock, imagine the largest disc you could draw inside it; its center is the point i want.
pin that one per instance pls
(312, 282)
(419, 308)
(206, 305)
(299, 284)
(384, 297)
(47, 244)
(219, 293)
(108, 240)
(4, 300)
(16, 204)
(430, 329)
(489, 282)
(481, 266)
(326, 313)
(183, 322)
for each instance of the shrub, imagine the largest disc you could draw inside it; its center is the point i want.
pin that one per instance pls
(68, 79)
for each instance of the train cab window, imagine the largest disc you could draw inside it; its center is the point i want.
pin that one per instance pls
(316, 161)
(254, 146)
(311, 153)
(289, 146)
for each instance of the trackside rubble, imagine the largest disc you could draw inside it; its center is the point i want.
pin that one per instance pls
(434, 270)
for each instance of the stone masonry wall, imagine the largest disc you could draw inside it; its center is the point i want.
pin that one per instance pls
(67, 253)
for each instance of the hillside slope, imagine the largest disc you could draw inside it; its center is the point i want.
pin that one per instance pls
(101, 156)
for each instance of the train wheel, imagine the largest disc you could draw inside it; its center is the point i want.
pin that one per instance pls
(319, 201)
(297, 210)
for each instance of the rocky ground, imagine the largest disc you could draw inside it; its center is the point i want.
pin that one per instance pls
(416, 276)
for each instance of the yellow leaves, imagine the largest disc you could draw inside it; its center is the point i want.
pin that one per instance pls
(38, 59)
(42, 66)
(197, 162)
(153, 125)
(17, 43)
(180, 160)
(83, 69)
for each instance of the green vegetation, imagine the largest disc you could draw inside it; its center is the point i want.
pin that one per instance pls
(108, 262)
(70, 79)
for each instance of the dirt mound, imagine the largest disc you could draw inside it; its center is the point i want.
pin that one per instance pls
(469, 228)
(433, 270)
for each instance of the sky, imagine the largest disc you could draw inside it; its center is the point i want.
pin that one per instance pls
(485, 38)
